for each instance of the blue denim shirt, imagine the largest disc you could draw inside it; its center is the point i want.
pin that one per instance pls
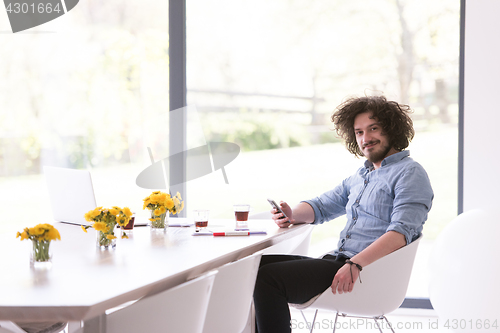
(397, 196)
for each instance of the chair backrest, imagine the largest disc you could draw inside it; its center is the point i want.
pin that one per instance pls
(10, 327)
(383, 289)
(231, 296)
(180, 309)
(23, 327)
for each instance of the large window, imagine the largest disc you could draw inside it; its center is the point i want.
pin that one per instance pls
(267, 76)
(74, 92)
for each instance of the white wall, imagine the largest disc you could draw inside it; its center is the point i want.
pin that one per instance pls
(482, 104)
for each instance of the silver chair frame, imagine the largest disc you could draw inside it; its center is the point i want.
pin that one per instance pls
(337, 314)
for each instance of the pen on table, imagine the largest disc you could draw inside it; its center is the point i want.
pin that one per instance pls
(229, 233)
(239, 233)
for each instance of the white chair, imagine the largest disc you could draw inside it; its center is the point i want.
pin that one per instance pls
(11, 327)
(232, 296)
(382, 291)
(179, 309)
(464, 271)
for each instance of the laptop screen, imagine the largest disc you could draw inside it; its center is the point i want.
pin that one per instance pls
(71, 194)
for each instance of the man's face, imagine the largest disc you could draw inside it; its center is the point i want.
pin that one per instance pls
(373, 143)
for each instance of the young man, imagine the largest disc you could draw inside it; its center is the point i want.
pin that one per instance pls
(386, 202)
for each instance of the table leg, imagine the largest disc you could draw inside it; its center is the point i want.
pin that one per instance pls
(95, 325)
(74, 326)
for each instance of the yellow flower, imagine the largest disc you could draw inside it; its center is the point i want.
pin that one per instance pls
(123, 221)
(84, 229)
(92, 214)
(110, 237)
(88, 216)
(100, 226)
(178, 195)
(163, 210)
(157, 212)
(39, 232)
(155, 198)
(169, 204)
(52, 234)
(127, 212)
(124, 235)
(36, 230)
(114, 211)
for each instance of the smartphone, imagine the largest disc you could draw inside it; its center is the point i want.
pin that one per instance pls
(278, 208)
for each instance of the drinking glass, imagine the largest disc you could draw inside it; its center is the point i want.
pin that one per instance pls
(241, 215)
(201, 219)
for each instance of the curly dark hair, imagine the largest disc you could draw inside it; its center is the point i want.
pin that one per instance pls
(392, 116)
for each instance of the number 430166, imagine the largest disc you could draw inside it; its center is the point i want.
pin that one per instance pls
(470, 324)
(40, 8)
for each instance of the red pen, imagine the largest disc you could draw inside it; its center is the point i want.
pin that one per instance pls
(239, 233)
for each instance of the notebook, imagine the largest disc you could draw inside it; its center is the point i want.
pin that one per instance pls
(71, 194)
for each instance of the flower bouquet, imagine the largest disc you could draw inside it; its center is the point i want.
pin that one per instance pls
(40, 235)
(105, 220)
(159, 204)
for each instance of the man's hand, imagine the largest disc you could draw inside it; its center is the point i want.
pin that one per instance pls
(278, 217)
(343, 282)
(385, 244)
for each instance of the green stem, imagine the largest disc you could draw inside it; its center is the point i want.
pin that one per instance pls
(41, 250)
(158, 221)
(103, 240)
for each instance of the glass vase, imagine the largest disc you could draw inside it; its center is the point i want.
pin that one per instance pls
(105, 240)
(159, 222)
(41, 256)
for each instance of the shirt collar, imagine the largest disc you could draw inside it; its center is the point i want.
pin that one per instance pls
(389, 159)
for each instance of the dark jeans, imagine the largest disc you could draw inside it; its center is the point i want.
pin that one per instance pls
(284, 279)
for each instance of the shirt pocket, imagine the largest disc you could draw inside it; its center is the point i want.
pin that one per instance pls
(378, 200)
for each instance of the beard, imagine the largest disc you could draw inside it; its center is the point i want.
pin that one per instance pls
(376, 156)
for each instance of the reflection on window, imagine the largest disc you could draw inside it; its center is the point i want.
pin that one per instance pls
(267, 76)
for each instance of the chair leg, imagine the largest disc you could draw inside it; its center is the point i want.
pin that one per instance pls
(303, 316)
(388, 324)
(335, 324)
(378, 326)
(314, 321)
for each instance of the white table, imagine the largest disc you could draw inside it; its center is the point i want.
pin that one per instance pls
(84, 282)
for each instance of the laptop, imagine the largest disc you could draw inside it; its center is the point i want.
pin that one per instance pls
(71, 194)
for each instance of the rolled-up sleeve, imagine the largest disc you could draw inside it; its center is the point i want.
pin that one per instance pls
(412, 201)
(331, 204)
